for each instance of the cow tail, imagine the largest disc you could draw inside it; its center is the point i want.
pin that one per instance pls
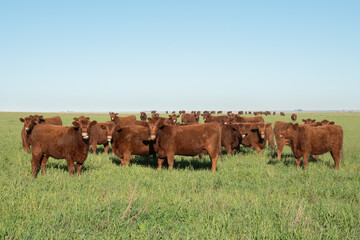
(220, 152)
(342, 155)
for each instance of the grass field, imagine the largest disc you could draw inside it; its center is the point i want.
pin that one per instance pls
(250, 196)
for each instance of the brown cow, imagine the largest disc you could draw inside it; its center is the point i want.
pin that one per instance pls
(155, 115)
(122, 121)
(306, 140)
(279, 127)
(239, 119)
(231, 137)
(187, 118)
(143, 116)
(59, 142)
(219, 119)
(325, 122)
(282, 114)
(130, 140)
(309, 121)
(255, 135)
(293, 117)
(173, 118)
(187, 140)
(99, 136)
(29, 123)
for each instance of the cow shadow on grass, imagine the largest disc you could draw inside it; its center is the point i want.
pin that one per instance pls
(289, 160)
(180, 162)
(63, 166)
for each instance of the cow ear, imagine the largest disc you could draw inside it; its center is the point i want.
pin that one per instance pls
(116, 114)
(304, 120)
(93, 123)
(170, 116)
(76, 125)
(178, 116)
(76, 119)
(22, 120)
(150, 119)
(331, 123)
(296, 125)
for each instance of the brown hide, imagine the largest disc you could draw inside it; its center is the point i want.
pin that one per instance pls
(280, 127)
(306, 140)
(218, 119)
(189, 118)
(293, 117)
(239, 119)
(59, 142)
(187, 140)
(99, 136)
(257, 134)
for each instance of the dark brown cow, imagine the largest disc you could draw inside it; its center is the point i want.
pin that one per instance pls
(240, 112)
(29, 123)
(130, 140)
(306, 140)
(293, 117)
(219, 119)
(59, 142)
(239, 119)
(274, 113)
(143, 116)
(187, 118)
(282, 114)
(255, 135)
(99, 136)
(187, 140)
(219, 112)
(173, 118)
(231, 137)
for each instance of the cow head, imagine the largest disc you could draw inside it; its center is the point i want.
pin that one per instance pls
(206, 117)
(197, 116)
(290, 131)
(309, 121)
(39, 119)
(155, 116)
(110, 130)
(154, 125)
(113, 116)
(29, 123)
(83, 125)
(173, 118)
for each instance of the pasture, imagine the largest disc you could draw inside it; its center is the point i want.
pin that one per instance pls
(249, 196)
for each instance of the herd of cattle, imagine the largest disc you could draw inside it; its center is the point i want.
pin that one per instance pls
(165, 137)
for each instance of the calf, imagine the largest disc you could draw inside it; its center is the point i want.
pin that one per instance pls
(99, 136)
(187, 140)
(59, 142)
(306, 140)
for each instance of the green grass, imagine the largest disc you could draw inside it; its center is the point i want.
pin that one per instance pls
(250, 195)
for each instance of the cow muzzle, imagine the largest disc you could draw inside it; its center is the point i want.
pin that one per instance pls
(85, 135)
(243, 136)
(262, 136)
(109, 138)
(26, 129)
(152, 137)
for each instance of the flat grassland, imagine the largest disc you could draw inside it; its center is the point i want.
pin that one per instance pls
(250, 195)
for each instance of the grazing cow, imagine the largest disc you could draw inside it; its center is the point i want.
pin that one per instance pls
(293, 117)
(187, 140)
(187, 118)
(255, 135)
(29, 123)
(59, 142)
(219, 119)
(282, 114)
(143, 116)
(130, 140)
(306, 140)
(239, 119)
(99, 136)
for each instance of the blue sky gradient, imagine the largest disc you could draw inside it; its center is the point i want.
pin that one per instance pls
(99, 56)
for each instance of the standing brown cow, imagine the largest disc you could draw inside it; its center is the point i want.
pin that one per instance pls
(293, 117)
(143, 116)
(255, 135)
(306, 140)
(99, 136)
(282, 114)
(187, 140)
(59, 142)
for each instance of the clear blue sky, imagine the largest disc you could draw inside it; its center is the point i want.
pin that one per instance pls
(171, 55)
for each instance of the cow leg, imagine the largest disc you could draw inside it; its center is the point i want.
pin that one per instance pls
(106, 147)
(43, 163)
(214, 162)
(35, 160)
(78, 168)
(160, 162)
(122, 161)
(170, 160)
(306, 160)
(297, 162)
(336, 156)
(279, 151)
(71, 168)
(127, 158)
(93, 147)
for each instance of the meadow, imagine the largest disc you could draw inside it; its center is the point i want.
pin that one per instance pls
(251, 196)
